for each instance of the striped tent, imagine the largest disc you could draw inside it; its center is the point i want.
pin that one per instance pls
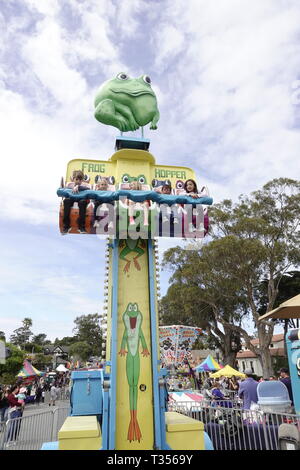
(208, 365)
(28, 370)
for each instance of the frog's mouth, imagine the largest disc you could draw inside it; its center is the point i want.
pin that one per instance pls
(132, 322)
(134, 93)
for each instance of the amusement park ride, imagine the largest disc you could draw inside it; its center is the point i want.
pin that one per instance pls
(122, 406)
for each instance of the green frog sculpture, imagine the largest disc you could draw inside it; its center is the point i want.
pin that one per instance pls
(127, 103)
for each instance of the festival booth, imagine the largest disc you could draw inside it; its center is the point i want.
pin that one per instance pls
(206, 366)
(29, 373)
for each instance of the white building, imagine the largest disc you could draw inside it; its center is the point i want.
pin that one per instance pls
(248, 360)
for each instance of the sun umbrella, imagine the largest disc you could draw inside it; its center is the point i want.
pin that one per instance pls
(288, 309)
(227, 371)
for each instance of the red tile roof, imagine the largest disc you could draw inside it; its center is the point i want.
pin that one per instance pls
(275, 339)
(248, 354)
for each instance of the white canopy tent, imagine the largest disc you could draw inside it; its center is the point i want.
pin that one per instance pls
(61, 368)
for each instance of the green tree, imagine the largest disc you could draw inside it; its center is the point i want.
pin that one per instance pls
(255, 239)
(33, 348)
(88, 330)
(12, 366)
(41, 361)
(81, 350)
(2, 335)
(22, 335)
(40, 339)
(65, 341)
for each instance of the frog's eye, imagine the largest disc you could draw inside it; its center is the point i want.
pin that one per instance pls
(125, 178)
(86, 178)
(111, 180)
(135, 308)
(142, 179)
(179, 184)
(130, 306)
(147, 79)
(122, 76)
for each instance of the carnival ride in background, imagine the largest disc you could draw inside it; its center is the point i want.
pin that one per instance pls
(122, 406)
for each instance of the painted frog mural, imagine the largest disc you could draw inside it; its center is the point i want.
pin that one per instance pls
(131, 246)
(127, 103)
(132, 336)
(126, 178)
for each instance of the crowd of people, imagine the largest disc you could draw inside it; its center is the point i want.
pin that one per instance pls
(219, 390)
(13, 400)
(245, 389)
(78, 184)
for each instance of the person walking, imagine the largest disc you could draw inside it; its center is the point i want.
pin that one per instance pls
(53, 395)
(38, 395)
(286, 380)
(15, 411)
(248, 390)
(4, 405)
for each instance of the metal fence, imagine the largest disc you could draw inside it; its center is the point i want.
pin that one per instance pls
(235, 428)
(228, 428)
(30, 432)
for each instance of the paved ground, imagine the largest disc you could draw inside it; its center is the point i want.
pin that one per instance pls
(32, 409)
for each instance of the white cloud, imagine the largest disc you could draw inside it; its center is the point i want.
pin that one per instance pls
(232, 86)
(169, 43)
(46, 7)
(66, 85)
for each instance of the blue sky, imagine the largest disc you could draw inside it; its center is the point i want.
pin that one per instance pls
(227, 79)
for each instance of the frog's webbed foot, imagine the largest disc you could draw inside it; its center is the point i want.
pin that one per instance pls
(127, 267)
(136, 264)
(137, 431)
(134, 432)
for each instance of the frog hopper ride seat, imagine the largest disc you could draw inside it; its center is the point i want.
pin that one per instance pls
(74, 211)
(89, 212)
